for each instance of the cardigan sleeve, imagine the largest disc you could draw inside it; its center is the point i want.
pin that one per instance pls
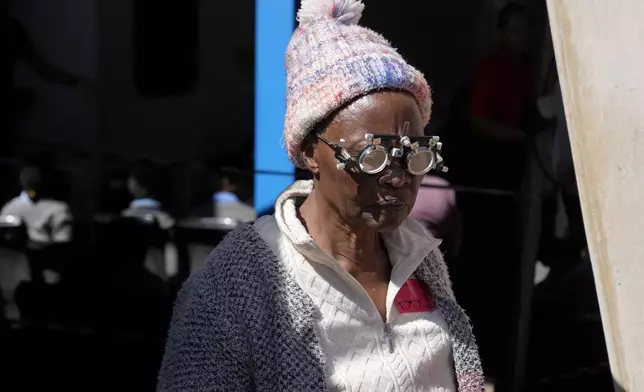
(440, 274)
(206, 349)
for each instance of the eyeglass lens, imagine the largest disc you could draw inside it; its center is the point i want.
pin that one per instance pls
(420, 162)
(374, 161)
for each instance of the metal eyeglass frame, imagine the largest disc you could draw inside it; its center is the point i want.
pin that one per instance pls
(408, 148)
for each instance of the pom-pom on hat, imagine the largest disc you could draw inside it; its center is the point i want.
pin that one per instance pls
(331, 60)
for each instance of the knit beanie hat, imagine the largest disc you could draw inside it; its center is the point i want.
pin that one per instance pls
(331, 60)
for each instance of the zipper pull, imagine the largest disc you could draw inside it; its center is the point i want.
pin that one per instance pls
(390, 340)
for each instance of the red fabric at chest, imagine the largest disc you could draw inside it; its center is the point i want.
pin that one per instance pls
(414, 297)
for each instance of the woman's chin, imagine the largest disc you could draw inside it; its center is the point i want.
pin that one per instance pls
(385, 221)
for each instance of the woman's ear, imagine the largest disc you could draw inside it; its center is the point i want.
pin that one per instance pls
(309, 155)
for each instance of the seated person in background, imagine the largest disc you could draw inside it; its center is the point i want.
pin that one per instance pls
(225, 200)
(143, 183)
(47, 220)
(435, 208)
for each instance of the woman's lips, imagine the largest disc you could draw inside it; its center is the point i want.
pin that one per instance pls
(391, 203)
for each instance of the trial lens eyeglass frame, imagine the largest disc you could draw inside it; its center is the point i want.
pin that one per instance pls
(374, 157)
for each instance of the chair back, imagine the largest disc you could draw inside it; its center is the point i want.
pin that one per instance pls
(13, 233)
(126, 240)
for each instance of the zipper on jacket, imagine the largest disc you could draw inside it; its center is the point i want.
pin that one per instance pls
(353, 281)
(390, 340)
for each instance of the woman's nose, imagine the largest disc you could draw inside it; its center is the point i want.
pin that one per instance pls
(395, 175)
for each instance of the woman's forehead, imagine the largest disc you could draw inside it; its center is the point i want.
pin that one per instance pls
(384, 113)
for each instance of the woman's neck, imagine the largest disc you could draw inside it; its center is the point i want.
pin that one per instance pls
(356, 247)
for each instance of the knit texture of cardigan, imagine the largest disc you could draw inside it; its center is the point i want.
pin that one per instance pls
(242, 323)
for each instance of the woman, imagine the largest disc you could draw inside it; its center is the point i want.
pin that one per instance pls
(338, 290)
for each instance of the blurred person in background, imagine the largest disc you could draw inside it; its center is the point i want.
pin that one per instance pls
(500, 100)
(46, 219)
(551, 170)
(551, 177)
(48, 223)
(436, 209)
(225, 201)
(500, 95)
(339, 290)
(144, 183)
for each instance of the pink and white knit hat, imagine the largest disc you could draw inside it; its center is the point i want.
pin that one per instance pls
(330, 61)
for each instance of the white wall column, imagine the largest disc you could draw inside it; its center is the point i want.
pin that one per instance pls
(600, 52)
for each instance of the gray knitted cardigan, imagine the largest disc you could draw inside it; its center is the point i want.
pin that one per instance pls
(243, 324)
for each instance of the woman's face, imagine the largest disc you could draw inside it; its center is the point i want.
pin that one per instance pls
(381, 201)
